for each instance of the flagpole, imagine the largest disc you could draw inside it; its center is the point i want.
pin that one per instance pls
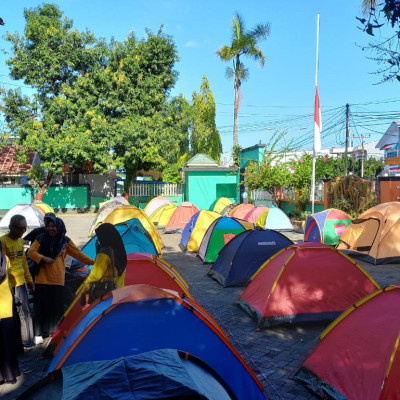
(314, 147)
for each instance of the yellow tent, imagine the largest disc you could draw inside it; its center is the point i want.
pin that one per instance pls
(125, 213)
(161, 216)
(45, 208)
(155, 203)
(105, 208)
(221, 204)
(204, 220)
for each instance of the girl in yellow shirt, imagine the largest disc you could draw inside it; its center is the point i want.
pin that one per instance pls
(49, 250)
(9, 369)
(111, 259)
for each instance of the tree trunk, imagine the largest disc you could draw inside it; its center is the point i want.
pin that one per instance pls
(236, 113)
(44, 187)
(130, 175)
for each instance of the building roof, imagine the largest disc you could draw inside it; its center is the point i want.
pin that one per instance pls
(391, 136)
(9, 164)
(201, 160)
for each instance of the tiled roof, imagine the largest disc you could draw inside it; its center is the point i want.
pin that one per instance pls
(8, 163)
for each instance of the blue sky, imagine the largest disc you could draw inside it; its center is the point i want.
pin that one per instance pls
(278, 97)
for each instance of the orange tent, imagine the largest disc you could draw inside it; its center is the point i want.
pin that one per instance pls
(180, 217)
(374, 235)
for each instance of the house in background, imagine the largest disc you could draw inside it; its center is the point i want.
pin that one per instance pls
(389, 143)
(14, 184)
(205, 181)
(389, 180)
(13, 172)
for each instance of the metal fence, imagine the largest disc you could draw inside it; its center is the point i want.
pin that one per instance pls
(155, 189)
(286, 194)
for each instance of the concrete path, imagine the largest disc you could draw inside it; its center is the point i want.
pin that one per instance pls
(272, 353)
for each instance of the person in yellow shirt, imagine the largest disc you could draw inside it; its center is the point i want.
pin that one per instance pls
(110, 261)
(49, 250)
(19, 277)
(9, 369)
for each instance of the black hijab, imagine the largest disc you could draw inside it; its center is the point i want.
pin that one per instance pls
(3, 266)
(51, 246)
(108, 236)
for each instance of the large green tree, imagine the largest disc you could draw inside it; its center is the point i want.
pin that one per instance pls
(205, 137)
(107, 104)
(243, 43)
(51, 56)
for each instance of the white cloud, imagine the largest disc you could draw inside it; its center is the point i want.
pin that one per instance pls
(191, 43)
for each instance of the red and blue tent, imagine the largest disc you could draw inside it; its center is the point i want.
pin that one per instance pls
(141, 318)
(326, 226)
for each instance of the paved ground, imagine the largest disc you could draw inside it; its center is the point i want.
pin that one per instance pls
(272, 353)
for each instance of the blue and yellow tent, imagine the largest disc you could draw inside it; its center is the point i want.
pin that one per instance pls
(195, 229)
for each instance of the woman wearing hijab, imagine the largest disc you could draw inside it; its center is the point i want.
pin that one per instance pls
(9, 369)
(110, 264)
(49, 250)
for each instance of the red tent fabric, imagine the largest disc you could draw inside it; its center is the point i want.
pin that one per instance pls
(358, 356)
(155, 271)
(305, 282)
(141, 268)
(241, 210)
(180, 217)
(254, 213)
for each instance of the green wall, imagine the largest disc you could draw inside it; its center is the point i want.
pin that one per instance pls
(202, 188)
(10, 196)
(256, 154)
(65, 197)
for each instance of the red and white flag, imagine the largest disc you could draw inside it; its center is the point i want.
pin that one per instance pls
(317, 122)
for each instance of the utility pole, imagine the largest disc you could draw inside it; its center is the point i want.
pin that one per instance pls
(362, 154)
(347, 139)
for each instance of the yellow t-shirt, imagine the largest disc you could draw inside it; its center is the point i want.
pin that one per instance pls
(54, 273)
(14, 250)
(102, 271)
(6, 299)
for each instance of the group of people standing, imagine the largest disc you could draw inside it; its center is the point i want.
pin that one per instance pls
(49, 246)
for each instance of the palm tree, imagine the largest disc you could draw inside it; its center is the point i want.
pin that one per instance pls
(244, 43)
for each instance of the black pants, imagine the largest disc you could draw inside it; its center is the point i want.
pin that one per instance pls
(23, 313)
(49, 308)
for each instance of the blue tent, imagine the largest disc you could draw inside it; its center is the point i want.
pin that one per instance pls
(187, 231)
(163, 373)
(141, 318)
(244, 254)
(136, 239)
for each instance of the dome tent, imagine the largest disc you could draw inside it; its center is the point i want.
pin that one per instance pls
(373, 236)
(305, 282)
(218, 235)
(274, 218)
(326, 226)
(33, 215)
(185, 325)
(358, 355)
(241, 257)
